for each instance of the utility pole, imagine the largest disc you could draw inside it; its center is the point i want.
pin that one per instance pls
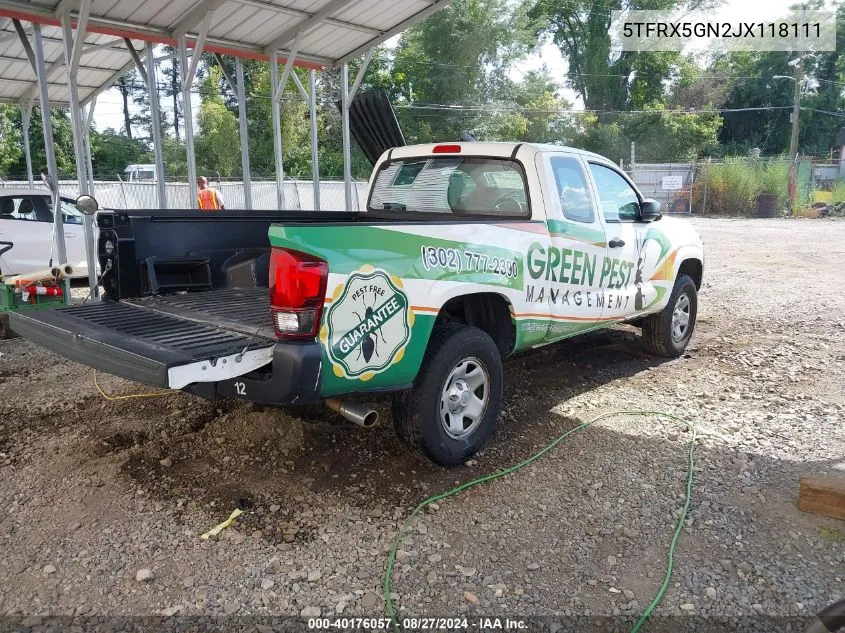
(796, 106)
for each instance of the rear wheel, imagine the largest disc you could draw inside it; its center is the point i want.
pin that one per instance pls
(668, 332)
(452, 409)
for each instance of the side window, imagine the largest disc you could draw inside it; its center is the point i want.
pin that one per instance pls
(575, 200)
(8, 208)
(36, 208)
(619, 202)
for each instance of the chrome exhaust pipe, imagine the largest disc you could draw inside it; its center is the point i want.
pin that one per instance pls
(359, 414)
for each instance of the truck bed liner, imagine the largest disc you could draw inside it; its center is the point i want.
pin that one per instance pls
(240, 310)
(160, 341)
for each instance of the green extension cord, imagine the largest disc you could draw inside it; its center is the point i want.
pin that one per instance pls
(397, 541)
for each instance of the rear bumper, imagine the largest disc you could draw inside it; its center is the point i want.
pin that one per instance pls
(292, 377)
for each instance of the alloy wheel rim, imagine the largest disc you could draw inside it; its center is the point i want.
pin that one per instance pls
(464, 399)
(681, 316)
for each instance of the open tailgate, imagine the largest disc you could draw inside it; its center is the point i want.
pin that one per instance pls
(144, 344)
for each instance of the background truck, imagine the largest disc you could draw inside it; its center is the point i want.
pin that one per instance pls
(465, 254)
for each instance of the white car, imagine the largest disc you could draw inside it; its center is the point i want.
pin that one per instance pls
(26, 220)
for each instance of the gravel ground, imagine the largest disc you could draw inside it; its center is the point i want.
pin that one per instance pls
(104, 502)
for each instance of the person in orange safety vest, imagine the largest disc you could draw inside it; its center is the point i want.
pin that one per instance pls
(208, 198)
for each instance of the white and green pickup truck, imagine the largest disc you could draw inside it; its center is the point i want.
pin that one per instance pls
(465, 254)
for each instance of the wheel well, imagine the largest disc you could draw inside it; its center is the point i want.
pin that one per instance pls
(487, 311)
(694, 269)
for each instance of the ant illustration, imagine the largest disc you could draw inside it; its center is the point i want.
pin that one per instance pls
(639, 300)
(370, 342)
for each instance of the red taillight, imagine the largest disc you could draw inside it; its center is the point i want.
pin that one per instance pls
(446, 149)
(297, 289)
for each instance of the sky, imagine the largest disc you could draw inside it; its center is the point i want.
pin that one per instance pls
(109, 111)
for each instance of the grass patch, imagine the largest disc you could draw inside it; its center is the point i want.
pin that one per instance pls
(833, 533)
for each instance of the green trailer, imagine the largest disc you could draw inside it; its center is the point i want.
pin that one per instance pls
(20, 298)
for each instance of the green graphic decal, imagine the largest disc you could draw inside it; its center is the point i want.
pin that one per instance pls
(658, 236)
(576, 232)
(368, 324)
(406, 255)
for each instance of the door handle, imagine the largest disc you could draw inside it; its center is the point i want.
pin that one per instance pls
(616, 243)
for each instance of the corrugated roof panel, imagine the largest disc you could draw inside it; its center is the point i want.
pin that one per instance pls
(161, 13)
(308, 6)
(333, 41)
(11, 68)
(105, 58)
(260, 25)
(381, 14)
(243, 24)
(279, 25)
(103, 7)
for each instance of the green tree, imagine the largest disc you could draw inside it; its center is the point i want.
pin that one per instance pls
(456, 56)
(661, 135)
(296, 146)
(604, 79)
(11, 140)
(111, 152)
(217, 145)
(172, 87)
(15, 163)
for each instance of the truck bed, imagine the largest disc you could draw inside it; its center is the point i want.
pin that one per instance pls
(243, 310)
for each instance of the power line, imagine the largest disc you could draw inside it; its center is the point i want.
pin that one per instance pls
(505, 108)
(836, 114)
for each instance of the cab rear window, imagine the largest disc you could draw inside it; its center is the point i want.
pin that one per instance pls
(452, 185)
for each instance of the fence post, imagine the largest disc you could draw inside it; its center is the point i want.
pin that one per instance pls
(691, 185)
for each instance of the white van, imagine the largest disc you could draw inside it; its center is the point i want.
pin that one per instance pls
(140, 173)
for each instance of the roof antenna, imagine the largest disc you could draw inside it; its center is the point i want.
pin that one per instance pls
(466, 137)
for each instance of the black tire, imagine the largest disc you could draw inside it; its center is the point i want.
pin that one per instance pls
(657, 328)
(5, 329)
(417, 413)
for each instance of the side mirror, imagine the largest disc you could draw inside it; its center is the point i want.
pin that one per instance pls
(650, 210)
(87, 204)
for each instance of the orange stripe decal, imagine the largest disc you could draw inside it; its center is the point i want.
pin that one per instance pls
(556, 317)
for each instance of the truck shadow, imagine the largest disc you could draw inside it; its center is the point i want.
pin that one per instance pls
(241, 455)
(277, 454)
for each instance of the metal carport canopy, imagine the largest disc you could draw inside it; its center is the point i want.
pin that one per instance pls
(103, 60)
(330, 32)
(84, 37)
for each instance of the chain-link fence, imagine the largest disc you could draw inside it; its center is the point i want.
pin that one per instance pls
(740, 186)
(299, 194)
(670, 184)
(733, 187)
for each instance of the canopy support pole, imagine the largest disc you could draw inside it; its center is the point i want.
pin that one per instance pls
(152, 89)
(347, 94)
(26, 117)
(347, 142)
(277, 130)
(189, 72)
(49, 149)
(89, 121)
(277, 90)
(310, 99)
(247, 178)
(315, 150)
(188, 120)
(73, 51)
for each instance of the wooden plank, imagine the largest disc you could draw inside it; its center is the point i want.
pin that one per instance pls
(823, 495)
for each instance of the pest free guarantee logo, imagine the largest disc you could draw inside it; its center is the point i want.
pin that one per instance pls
(368, 324)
